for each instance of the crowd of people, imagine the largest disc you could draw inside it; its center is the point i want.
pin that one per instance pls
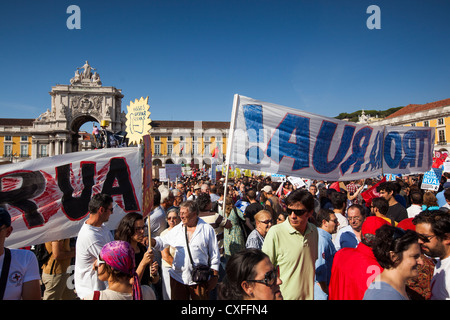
(262, 240)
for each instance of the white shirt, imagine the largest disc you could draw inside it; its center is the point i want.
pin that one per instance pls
(440, 283)
(203, 246)
(90, 242)
(107, 294)
(343, 222)
(337, 239)
(413, 210)
(24, 268)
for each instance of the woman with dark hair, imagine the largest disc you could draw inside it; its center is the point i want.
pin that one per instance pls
(398, 253)
(250, 276)
(132, 229)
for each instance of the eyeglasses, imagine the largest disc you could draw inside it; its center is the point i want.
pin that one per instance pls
(98, 263)
(266, 221)
(138, 229)
(270, 278)
(354, 218)
(297, 212)
(424, 238)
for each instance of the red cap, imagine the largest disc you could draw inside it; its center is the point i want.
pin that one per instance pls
(406, 224)
(371, 225)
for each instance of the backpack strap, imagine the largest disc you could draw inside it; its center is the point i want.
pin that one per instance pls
(5, 272)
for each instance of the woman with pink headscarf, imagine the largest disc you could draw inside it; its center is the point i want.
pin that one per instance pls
(116, 265)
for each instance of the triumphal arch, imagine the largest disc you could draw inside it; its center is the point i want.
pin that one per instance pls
(85, 99)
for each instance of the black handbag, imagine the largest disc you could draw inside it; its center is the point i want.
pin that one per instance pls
(200, 273)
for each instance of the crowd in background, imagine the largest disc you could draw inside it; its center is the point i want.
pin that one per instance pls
(264, 240)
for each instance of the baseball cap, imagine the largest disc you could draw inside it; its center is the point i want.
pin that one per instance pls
(267, 189)
(371, 225)
(406, 224)
(5, 218)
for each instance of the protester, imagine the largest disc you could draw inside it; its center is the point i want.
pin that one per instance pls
(433, 228)
(293, 246)
(380, 208)
(419, 288)
(173, 218)
(54, 271)
(281, 217)
(92, 236)
(250, 276)
(253, 208)
(446, 198)
(234, 240)
(327, 225)
(132, 229)
(398, 253)
(116, 265)
(396, 211)
(350, 236)
(429, 201)
(416, 204)
(20, 278)
(263, 221)
(339, 202)
(202, 242)
(353, 268)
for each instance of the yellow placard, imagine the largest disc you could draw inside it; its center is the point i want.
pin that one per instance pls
(138, 120)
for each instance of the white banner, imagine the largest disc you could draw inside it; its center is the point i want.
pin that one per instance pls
(48, 198)
(278, 139)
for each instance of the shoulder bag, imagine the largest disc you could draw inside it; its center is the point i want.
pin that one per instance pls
(200, 273)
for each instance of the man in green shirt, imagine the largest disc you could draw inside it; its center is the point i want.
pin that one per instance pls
(293, 246)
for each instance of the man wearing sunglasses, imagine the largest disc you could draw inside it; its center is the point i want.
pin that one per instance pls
(293, 246)
(433, 228)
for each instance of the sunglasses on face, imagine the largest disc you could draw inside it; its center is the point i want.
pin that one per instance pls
(424, 238)
(270, 278)
(297, 212)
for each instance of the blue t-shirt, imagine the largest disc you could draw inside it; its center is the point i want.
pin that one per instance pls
(381, 290)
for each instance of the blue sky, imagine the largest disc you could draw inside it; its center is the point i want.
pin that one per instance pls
(191, 56)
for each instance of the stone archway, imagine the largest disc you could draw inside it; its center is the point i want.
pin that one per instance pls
(83, 100)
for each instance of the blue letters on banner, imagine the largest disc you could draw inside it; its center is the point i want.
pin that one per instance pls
(280, 145)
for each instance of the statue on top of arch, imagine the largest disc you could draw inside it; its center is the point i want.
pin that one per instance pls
(86, 77)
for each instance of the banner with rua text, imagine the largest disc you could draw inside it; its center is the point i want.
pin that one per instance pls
(48, 198)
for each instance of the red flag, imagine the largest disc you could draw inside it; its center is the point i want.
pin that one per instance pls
(335, 186)
(372, 193)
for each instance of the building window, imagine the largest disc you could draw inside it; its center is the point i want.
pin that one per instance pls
(169, 149)
(8, 138)
(157, 138)
(441, 121)
(43, 150)
(194, 149)
(169, 138)
(206, 150)
(8, 150)
(441, 136)
(413, 124)
(194, 138)
(24, 150)
(426, 123)
(157, 149)
(24, 138)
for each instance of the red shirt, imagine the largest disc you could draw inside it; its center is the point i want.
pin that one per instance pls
(352, 272)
